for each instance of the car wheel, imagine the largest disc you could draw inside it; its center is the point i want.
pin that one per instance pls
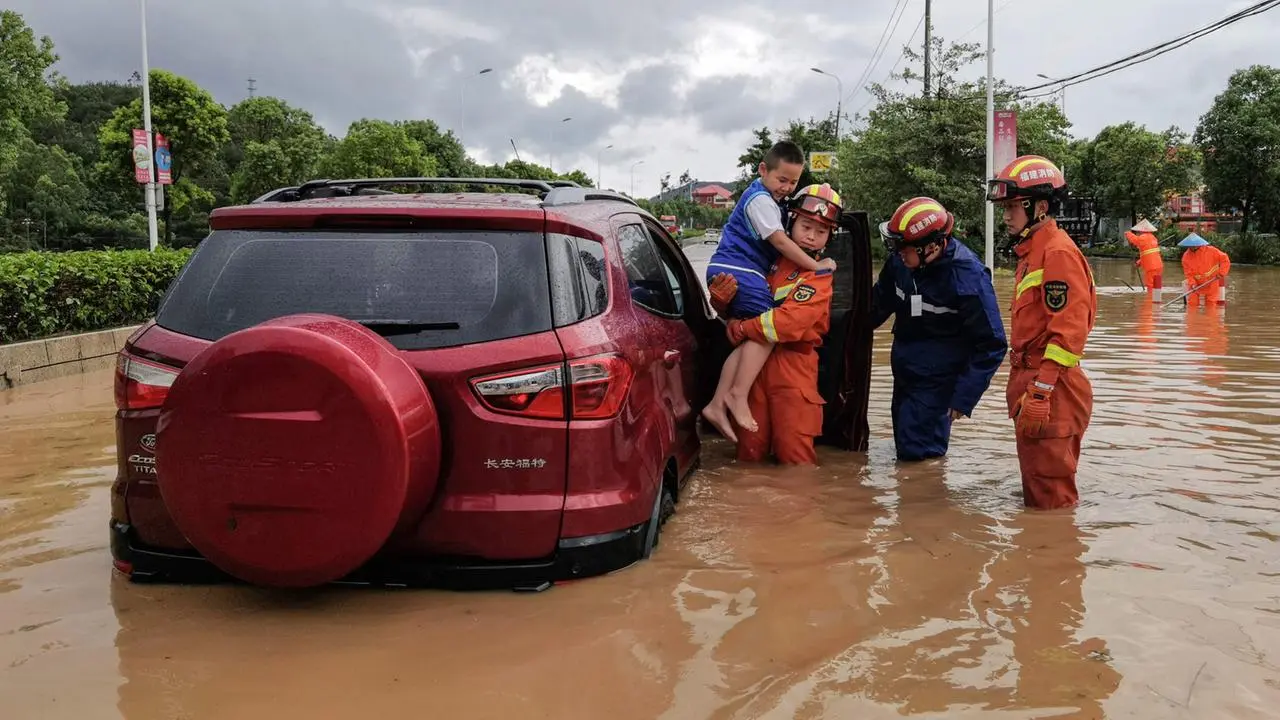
(664, 506)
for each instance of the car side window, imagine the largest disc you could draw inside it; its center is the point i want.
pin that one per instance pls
(675, 273)
(646, 272)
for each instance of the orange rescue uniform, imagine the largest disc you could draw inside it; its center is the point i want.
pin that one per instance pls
(784, 399)
(1149, 259)
(1206, 264)
(1054, 308)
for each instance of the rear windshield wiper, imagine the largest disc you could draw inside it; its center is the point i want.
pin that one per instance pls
(395, 328)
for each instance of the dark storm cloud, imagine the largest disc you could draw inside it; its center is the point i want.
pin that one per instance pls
(723, 105)
(649, 92)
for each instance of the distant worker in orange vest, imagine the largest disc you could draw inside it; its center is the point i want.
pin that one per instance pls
(1205, 268)
(1143, 237)
(1055, 304)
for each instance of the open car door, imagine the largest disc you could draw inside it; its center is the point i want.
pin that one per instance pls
(844, 360)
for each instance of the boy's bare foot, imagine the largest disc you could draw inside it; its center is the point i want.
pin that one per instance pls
(741, 412)
(715, 414)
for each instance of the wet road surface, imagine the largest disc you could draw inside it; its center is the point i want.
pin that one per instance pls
(861, 589)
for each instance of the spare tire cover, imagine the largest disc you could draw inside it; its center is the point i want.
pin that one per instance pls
(288, 453)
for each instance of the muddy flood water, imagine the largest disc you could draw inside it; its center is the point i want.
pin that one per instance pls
(858, 590)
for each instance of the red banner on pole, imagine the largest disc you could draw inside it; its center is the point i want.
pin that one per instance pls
(141, 156)
(1006, 138)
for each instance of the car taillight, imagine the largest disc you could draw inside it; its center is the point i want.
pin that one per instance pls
(597, 387)
(141, 384)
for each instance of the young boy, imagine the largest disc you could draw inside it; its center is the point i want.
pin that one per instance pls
(750, 244)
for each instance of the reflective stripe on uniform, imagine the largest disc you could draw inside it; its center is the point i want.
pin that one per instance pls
(1062, 357)
(782, 292)
(766, 324)
(1035, 278)
(1149, 251)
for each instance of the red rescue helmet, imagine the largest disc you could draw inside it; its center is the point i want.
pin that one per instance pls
(819, 202)
(1030, 178)
(916, 223)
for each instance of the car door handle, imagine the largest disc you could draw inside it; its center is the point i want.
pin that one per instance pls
(670, 358)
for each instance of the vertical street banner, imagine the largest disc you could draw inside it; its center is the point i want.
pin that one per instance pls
(1006, 138)
(164, 161)
(141, 156)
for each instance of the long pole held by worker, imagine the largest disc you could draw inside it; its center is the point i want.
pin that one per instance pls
(153, 228)
(1191, 292)
(991, 133)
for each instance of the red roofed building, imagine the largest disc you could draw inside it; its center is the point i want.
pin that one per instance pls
(714, 196)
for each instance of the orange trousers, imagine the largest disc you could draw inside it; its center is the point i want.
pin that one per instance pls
(1210, 295)
(1153, 279)
(787, 408)
(1049, 461)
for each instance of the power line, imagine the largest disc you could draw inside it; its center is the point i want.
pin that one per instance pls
(875, 54)
(901, 56)
(1150, 53)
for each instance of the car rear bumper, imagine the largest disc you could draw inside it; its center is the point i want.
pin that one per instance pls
(576, 558)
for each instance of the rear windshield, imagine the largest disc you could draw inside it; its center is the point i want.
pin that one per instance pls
(419, 290)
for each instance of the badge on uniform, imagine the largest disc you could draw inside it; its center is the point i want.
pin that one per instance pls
(917, 306)
(803, 293)
(1055, 295)
(793, 275)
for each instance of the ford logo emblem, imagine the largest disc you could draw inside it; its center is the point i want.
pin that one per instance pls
(148, 442)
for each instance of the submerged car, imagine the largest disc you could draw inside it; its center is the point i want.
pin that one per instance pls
(361, 381)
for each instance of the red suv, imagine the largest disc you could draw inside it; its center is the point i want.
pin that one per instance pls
(457, 389)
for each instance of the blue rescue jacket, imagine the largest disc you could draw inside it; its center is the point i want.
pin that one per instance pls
(740, 247)
(957, 342)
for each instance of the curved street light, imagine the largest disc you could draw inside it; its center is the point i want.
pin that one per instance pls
(462, 103)
(839, 99)
(633, 177)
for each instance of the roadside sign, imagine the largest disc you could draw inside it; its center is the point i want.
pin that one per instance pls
(1006, 138)
(164, 161)
(141, 156)
(822, 161)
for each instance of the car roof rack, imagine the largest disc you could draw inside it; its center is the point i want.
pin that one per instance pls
(576, 195)
(313, 188)
(554, 193)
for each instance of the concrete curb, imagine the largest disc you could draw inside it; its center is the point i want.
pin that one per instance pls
(36, 360)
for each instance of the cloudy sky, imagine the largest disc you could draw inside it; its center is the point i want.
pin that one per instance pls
(677, 85)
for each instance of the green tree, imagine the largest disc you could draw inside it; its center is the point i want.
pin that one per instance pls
(579, 177)
(89, 106)
(749, 161)
(272, 144)
(27, 82)
(44, 188)
(196, 127)
(451, 157)
(1131, 170)
(912, 145)
(378, 149)
(1240, 139)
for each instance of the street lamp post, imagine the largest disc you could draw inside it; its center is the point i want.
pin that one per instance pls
(599, 184)
(462, 103)
(551, 155)
(633, 177)
(1062, 93)
(153, 228)
(990, 229)
(839, 99)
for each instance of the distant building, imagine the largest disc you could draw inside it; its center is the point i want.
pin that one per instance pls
(693, 191)
(713, 195)
(1190, 213)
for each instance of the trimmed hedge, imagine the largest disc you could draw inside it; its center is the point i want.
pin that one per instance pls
(46, 293)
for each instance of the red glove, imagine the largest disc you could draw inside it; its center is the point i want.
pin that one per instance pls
(737, 335)
(723, 288)
(1032, 412)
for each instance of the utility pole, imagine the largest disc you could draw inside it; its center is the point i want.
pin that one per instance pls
(153, 228)
(928, 43)
(252, 84)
